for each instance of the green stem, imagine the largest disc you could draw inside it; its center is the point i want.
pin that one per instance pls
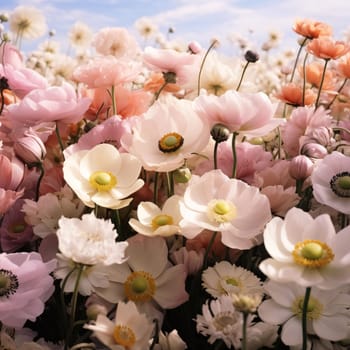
(156, 96)
(244, 330)
(155, 188)
(304, 317)
(114, 102)
(321, 84)
(216, 155)
(170, 183)
(208, 249)
(59, 138)
(42, 172)
(74, 304)
(242, 75)
(297, 59)
(234, 155)
(202, 65)
(335, 96)
(304, 80)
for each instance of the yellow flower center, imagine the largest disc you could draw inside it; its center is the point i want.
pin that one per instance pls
(312, 253)
(170, 142)
(232, 282)
(161, 220)
(221, 211)
(340, 184)
(313, 311)
(124, 335)
(140, 286)
(102, 180)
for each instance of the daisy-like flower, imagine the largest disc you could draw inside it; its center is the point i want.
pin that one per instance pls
(90, 241)
(80, 35)
(44, 214)
(220, 204)
(146, 27)
(327, 314)
(307, 251)
(27, 22)
(130, 329)
(331, 181)
(147, 277)
(167, 134)
(227, 279)
(25, 286)
(102, 176)
(220, 321)
(153, 221)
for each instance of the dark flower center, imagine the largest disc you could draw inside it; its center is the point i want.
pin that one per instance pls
(8, 283)
(340, 184)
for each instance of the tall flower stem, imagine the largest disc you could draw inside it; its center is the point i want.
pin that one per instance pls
(202, 66)
(304, 317)
(114, 102)
(59, 138)
(155, 189)
(74, 305)
(321, 83)
(297, 59)
(170, 183)
(156, 96)
(304, 79)
(42, 172)
(208, 249)
(242, 75)
(335, 96)
(244, 330)
(234, 155)
(216, 155)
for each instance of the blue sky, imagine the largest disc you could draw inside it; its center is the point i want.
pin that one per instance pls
(199, 20)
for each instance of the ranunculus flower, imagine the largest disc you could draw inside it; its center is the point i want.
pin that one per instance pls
(103, 176)
(56, 103)
(25, 286)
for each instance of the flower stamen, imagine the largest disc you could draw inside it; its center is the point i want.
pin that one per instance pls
(340, 184)
(170, 142)
(312, 253)
(161, 220)
(140, 286)
(8, 283)
(124, 335)
(220, 211)
(102, 180)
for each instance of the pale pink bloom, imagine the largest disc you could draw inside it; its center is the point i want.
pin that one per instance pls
(56, 103)
(250, 158)
(192, 259)
(302, 121)
(221, 204)
(300, 167)
(110, 131)
(29, 287)
(115, 41)
(9, 54)
(30, 149)
(22, 80)
(12, 171)
(281, 199)
(169, 61)
(247, 113)
(167, 134)
(14, 231)
(8, 198)
(106, 71)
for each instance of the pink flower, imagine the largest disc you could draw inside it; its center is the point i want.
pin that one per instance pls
(27, 286)
(56, 103)
(9, 54)
(106, 72)
(247, 113)
(169, 61)
(302, 121)
(12, 172)
(115, 41)
(22, 80)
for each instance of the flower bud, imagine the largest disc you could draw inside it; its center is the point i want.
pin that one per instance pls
(30, 149)
(251, 56)
(182, 175)
(169, 77)
(220, 132)
(314, 150)
(246, 303)
(4, 17)
(300, 167)
(93, 310)
(194, 47)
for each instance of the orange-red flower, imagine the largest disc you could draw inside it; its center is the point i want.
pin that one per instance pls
(311, 29)
(293, 94)
(314, 73)
(327, 48)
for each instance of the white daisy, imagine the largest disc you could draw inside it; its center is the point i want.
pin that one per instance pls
(146, 27)
(80, 35)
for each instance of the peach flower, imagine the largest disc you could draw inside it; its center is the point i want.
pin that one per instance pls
(314, 73)
(292, 94)
(56, 103)
(343, 66)
(311, 29)
(106, 71)
(327, 48)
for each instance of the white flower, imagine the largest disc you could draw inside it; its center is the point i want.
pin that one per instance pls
(44, 214)
(167, 134)
(327, 313)
(331, 182)
(220, 320)
(227, 279)
(261, 335)
(103, 176)
(130, 330)
(90, 241)
(170, 341)
(80, 35)
(307, 251)
(153, 221)
(220, 204)
(27, 22)
(146, 27)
